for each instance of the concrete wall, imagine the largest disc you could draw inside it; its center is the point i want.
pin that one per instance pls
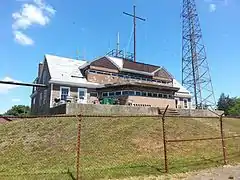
(198, 113)
(92, 109)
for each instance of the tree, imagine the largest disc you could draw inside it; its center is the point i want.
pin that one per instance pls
(225, 103)
(18, 110)
(235, 109)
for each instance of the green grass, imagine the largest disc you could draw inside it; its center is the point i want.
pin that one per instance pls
(110, 147)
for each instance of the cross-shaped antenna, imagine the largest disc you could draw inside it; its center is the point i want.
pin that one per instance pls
(134, 23)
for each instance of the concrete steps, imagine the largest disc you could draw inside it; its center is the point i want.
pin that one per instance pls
(170, 112)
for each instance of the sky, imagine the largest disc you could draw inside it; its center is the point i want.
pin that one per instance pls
(32, 28)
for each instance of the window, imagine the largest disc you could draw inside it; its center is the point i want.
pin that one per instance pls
(131, 93)
(111, 93)
(118, 93)
(165, 95)
(105, 94)
(93, 94)
(138, 93)
(150, 94)
(160, 95)
(185, 103)
(125, 93)
(155, 95)
(92, 71)
(170, 96)
(82, 95)
(144, 94)
(64, 93)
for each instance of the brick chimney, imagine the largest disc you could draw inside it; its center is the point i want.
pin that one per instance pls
(40, 68)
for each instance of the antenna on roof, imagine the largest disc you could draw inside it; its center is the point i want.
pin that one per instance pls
(118, 43)
(77, 57)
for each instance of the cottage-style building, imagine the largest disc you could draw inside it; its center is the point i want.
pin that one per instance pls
(130, 83)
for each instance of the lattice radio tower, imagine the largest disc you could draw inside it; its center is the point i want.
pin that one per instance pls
(195, 70)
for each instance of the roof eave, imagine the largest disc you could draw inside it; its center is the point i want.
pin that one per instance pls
(86, 85)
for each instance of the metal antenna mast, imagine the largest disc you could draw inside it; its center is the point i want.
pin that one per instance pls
(195, 70)
(134, 23)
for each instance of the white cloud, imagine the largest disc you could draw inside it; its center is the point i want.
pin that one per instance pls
(22, 39)
(35, 13)
(212, 7)
(16, 100)
(4, 88)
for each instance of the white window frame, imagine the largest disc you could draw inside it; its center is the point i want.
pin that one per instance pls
(64, 87)
(85, 95)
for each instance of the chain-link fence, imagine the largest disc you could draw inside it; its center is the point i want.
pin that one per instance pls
(98, 147)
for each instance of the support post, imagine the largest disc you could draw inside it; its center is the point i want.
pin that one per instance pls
(164, 141)
(79, 117)
(134, 24)
(223, 142)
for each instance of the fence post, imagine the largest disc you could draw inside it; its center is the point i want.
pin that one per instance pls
(222, 137)
(164, 141)
(79, 117)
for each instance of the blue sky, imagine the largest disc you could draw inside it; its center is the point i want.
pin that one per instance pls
(32, 28)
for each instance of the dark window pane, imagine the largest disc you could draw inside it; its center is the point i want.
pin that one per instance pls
(81, 93)
(105, 94)
(118, 93)
(154, 94)
(111, 93)
(94, 94)
(144, 94)
(125, 92)
(150, 94)
(64, 93)
(138, 93)
(131, 93)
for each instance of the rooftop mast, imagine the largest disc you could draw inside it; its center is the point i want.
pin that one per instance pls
(134, 24)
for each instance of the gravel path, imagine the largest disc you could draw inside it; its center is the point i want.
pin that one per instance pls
(221, 173)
